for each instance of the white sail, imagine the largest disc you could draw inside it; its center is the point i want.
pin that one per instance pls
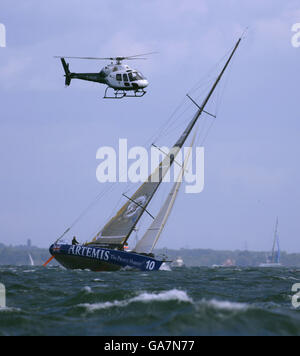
(276, 254)
(31, 260)
(150, 238)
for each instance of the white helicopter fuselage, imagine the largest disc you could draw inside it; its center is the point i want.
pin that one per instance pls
(122, 77)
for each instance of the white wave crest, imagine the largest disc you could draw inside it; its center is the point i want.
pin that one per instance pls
(174, 294)
(87, 289)
(9, 309)
(225, 305)
(165, 267)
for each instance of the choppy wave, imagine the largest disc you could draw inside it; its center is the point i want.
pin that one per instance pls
(171, 295)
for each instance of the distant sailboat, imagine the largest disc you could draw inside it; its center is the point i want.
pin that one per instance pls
(107, 251)
(30, 260)
(274, 259)
(228, 263)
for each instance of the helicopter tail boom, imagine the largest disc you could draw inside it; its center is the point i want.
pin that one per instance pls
(67, 72)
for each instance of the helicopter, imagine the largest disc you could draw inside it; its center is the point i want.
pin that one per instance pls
(125, 81)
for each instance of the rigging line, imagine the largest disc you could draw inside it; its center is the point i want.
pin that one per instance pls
(209, 77)
(204, 85)
(224, 86)
(98, 197)
(202, 92)
(170, 128)
(169, 124)
(210, 71)
(165, 127)
(139, 205)
(84, 212)
(165, 154)
(182, 123)
(165, 188)
(173, 129)
(98, 230)
(206, 112)
(205, 129)
(165, 123)
(127, 188)
(207, 132)
(220, 93)
(201, 125)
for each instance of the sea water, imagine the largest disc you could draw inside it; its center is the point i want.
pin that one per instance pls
(180, 302)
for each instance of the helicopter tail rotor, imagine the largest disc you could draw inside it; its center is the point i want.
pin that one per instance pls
(67, 72)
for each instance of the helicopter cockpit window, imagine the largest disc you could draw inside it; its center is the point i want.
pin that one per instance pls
(135, 76)
(119, 77)
(125, 77)
(141, 75)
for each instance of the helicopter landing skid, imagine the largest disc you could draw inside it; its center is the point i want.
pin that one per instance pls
(119, 94)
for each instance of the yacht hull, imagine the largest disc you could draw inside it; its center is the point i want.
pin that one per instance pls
(101, 259)
(270, 265)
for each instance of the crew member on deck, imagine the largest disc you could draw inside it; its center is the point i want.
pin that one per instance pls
(74, 241)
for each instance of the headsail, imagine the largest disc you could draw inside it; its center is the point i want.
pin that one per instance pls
(31, 259)
(150, 238)
(119, 228)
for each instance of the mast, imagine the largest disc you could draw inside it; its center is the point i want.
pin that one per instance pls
(189, 128)
(119, 228)
(274, 242)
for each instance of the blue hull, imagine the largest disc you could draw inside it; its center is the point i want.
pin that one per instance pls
(101, 259)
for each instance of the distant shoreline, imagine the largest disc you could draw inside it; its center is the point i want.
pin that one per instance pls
(19, 255)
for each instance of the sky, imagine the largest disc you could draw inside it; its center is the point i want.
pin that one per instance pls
(49, 134)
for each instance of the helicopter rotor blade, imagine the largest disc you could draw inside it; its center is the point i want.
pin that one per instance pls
(134, 57)
(96, 58)
(128, 58)
(138, 55)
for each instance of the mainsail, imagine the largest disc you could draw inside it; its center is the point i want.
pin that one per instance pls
(150, 238)
(119, 228)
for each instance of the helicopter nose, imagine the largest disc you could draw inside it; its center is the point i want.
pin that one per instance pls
(143, 83)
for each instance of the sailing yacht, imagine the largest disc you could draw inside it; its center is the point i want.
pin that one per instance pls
(107, 251)
(274, 259)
